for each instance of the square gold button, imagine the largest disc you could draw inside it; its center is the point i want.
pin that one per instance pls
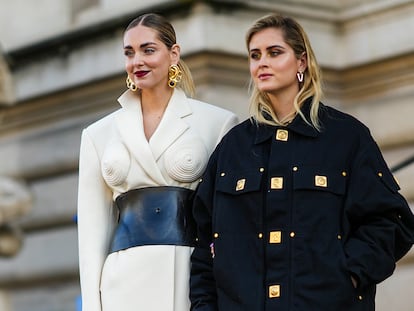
(240, 184)
(276, 183)
(274, 291)
(275, 237)
(282, 135)
(321, 181)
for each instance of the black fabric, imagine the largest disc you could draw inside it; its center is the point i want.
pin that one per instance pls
(355, 224)
(154, 216)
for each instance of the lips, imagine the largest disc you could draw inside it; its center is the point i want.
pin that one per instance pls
(141, 73)
(264, 76)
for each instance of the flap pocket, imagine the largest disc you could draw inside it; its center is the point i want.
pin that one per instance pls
(238, 182)
(322, 179)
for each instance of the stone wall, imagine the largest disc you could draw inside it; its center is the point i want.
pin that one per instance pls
(68, 71)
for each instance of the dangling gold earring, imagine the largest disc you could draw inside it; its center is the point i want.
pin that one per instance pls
(174, 75)
(131, 84)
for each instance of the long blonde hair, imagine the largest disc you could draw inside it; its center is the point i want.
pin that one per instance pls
(297, 39)
(166, 34)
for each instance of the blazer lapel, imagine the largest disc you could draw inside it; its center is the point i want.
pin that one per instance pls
(130, 126)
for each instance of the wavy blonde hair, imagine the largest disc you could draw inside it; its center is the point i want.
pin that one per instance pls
(297, 39)
(166, 34)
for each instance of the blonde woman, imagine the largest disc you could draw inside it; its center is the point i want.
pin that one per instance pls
(297, 209)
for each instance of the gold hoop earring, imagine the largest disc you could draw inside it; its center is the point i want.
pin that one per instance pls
(174, 75)
(131, 84)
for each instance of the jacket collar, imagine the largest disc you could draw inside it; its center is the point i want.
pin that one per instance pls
(298, 125)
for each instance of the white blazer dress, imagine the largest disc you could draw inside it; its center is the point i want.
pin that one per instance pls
(115, 157)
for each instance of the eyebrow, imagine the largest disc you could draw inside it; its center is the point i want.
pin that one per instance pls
(143, 45)
(270, 47)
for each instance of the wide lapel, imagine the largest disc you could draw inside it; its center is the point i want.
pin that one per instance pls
(172, 124)
(130, 125)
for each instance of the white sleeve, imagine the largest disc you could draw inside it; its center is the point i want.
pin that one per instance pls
(231, 121)
(95, 223)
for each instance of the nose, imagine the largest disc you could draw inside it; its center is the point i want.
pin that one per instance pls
(263, 61)
(137, 60)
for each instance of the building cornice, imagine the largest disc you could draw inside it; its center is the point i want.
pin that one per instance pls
(64, 43)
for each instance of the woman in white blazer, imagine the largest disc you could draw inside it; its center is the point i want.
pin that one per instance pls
(138, 168)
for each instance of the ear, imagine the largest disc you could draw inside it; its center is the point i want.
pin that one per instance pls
(175, 54)
(303, 62)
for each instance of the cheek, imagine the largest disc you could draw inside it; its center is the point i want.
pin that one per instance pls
(253, 69)
(288, 65)
(128, 66)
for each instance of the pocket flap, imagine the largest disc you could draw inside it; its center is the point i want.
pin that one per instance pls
(323, 179)
(238, 182)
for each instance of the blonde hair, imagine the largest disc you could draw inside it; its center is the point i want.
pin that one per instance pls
(297, 39)
(166, 34)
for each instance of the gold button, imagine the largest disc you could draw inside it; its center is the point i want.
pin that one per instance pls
(295, 168)
(222, 174)
(240, 184)
(282, 135)
(276, 183)
(360, 297)
(261, 169)
(339, 237)
(216, 235)
(274, 291)
(260, 235)
(200, 180)
(380, 174)
(321, 181)
(275, 237)
(344, 174)
(292, 234)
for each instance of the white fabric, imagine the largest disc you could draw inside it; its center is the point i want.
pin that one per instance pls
(116, 157)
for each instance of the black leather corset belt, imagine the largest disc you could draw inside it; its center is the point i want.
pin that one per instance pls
(154, 216)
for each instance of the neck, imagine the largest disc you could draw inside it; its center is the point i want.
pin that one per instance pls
(155, 101)
(283, 107)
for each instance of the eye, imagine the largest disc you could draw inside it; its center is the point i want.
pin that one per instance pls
(255, 55)
(274, 52)
(128, 53)
(149, 51)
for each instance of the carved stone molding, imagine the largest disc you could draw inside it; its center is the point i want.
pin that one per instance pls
(15, 201)
(6, 85)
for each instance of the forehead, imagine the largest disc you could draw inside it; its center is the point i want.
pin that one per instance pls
(140, 34)
(267, 37)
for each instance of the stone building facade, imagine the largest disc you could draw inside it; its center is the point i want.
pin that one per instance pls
(61, 68)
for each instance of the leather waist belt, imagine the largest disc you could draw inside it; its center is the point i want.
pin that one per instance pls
(154, 216)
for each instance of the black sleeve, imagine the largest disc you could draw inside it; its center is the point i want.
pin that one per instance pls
(381, 224)
(203, 293)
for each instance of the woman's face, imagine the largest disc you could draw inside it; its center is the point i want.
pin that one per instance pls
(147, 59)
(273, 64)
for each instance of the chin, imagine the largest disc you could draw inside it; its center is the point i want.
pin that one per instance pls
(266, 89)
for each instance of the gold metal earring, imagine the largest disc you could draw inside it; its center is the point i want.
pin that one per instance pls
(174, 75)
(131, 84)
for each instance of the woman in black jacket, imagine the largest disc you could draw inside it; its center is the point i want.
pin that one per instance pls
(297, 210)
